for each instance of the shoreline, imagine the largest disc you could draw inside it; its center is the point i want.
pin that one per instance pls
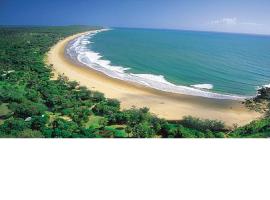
(76, 51)
(170, 106)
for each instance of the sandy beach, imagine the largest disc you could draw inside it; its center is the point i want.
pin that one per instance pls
(166, 105)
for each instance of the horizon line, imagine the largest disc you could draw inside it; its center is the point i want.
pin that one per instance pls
(137, 27)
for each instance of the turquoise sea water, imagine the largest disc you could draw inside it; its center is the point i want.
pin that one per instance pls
(223, 63)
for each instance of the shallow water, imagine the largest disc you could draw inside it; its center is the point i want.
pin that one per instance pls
(198, 63)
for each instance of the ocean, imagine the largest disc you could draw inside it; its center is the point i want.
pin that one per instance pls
(208, 64)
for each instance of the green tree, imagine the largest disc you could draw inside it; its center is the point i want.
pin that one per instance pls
(27, 109)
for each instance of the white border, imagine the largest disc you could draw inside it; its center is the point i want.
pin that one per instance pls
(134, 169)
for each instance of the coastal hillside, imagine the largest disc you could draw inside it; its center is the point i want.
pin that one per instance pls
(35, 104)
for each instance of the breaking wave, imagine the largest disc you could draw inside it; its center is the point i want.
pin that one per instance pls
(77, 50)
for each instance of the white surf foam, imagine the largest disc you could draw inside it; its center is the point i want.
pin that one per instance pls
(77, 49)
(203, 86)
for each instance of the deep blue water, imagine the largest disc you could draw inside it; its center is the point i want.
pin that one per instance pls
(231, 63)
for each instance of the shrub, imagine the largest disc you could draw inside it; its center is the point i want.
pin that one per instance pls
(202, 125)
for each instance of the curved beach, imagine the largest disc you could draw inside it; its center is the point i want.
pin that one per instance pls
(163, 104)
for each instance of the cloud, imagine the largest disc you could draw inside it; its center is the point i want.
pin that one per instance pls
(224, 21)
(232, 22)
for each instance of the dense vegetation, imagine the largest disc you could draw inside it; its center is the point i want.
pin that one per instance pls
(32, 104)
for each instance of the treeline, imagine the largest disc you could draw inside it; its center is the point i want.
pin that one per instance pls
(32, 105)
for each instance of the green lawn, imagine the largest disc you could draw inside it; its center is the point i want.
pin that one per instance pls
(4, 112)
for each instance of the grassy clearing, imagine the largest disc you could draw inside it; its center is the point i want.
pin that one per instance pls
(95, 121)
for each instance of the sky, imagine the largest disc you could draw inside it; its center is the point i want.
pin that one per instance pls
(241, 16)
